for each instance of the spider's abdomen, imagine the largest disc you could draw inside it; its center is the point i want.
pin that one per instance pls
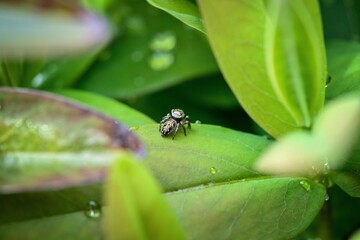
(168, 127)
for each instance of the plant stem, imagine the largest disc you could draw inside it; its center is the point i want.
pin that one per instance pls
(325, 221)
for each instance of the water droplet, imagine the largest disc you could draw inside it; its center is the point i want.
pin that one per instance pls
(197, 122)
(327, 197)
(306, 185)
(164, 41)
(134, 128)
(93, 210)
(137, 56)
(213, 170)
(161, 61)
(328, 80)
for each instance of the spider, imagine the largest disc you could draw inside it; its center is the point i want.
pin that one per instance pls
(171, 122)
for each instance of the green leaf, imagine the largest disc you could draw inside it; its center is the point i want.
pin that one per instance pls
(344, 68)
(184, 10)
(348, 181)
(137, 210)
(356, 235)
(65, 72)
(243, 51)
(276, 208)
(26, 206)
(108, 106)
(156, 51)
(67, 226)
(208, 154)
(295, 57)
(48, 142)
(30, 32)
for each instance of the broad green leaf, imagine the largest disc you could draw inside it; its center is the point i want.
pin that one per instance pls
(208, 154)
(295, 57)
(264, 208)
(137, 209)
(344, 68)
(154, 52)
(243, 51)
(184, 10)
(30, 31)
(48, 142)
(67, 226)
(108, 106)
(348, 181)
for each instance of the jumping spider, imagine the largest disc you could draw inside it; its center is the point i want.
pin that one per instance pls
(171, 122)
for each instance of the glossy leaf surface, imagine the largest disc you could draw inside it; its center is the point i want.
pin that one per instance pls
(48, 142)
(295, 57)
(137, 208)
(277, 208)
(207, 154)
(154, 52)
(244, 53)
(30, 31)
(108, 106)
(184, 10)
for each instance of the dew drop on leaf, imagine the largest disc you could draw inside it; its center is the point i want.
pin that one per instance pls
(164, 41)
(328, 80)
(161, 61)
(327, 197)
(93, 210)
(197, 122)
(306, 185)
(213, 170)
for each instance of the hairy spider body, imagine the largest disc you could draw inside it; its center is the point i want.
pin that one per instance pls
(171, 123)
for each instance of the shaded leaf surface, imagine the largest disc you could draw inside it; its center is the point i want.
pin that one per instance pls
(240, 50)
(348, 181)
(344, 68)
(137, 208)
(156, 51)
(277, 208)
(49, 142)
(67, 226)
(207, 154)
(27, 206)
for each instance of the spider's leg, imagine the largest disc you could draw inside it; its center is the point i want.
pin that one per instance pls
(176, 130)
(183, 126)
(187, 121)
